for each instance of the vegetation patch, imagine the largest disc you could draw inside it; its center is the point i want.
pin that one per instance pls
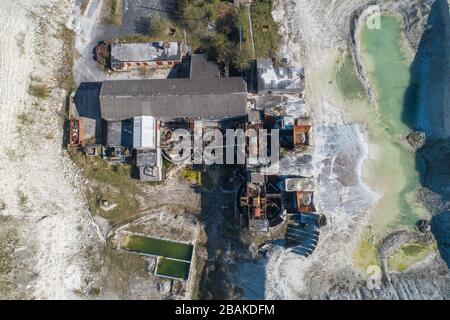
(25, 119)
(366, 253)
(39, 90)
(217, 28)
(84, 5)
(164, 29)
(408, 255)
(23, 198)
(212, 26)
(124, 268)
(140, 38)
(111, 183)
(244, 55)
(112, 14)
(8, 244)
(193, 176)
(64, 77)
(265, 29)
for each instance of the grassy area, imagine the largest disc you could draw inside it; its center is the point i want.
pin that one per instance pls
(213, 26)
(193, 176)
(366, 253)
(23, 198)
(111, 182)
(265, 29)
(39, 90)
(218, 28)
(84, 5)
(116, 12)
(8, 244)
(139, 38)
(25, 119)
(408, 255)
(244, 54)
(164, 29)
(65, 77)
(123, 268)
(113, 12)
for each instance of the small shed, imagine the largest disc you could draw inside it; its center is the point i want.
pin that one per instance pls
(149, 164)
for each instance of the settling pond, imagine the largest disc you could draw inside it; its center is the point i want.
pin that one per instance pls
(387, 60)
(174, 258)
(392, 169)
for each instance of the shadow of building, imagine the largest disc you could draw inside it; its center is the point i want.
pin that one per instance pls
(427, 108)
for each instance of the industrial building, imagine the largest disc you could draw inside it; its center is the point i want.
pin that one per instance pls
(128, 56)
(170, 99)
(278, 79)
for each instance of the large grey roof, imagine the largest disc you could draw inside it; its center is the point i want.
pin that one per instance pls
(202, 68)
(214, 98)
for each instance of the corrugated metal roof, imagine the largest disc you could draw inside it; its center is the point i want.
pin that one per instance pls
(114, 133)
(214, 98)
(144, 133)
(272, 78)
(147, 159)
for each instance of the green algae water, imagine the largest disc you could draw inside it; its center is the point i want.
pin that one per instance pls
(174, 258)
(173, 268)
(387, 62)
(158, 247)
(392, 169)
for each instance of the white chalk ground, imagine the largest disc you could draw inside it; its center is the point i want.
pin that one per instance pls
(40, 185)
